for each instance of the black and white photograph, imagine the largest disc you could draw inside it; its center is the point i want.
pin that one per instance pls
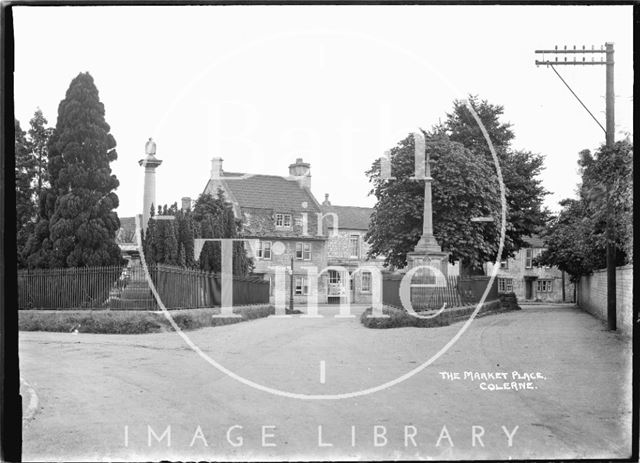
(319, 232)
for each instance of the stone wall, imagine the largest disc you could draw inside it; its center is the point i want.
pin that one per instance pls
(339, 246)
(592, 296)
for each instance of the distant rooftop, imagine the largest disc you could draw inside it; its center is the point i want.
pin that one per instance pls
(534, 241)
(349, 217)
(267, 192)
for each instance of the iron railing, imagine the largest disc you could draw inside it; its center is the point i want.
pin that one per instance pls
(455, 291)
(128, 288)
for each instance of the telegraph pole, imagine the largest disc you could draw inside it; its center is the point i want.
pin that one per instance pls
(607, 51)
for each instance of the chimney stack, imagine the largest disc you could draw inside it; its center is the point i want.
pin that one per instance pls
(301, 171)
(186, 203)
(326, 201)
(216, 168)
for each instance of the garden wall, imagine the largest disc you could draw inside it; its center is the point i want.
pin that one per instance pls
(592, 296)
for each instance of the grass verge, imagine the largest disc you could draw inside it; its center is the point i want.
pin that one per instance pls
(131, 321)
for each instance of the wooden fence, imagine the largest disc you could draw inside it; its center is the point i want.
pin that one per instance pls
(128, 288)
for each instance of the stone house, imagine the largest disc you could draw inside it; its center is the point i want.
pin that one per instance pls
(528, 281)
(280, 219)
(346, 247)
(126, 238)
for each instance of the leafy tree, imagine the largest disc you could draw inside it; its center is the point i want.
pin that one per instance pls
(570, 240)
(607, 188)
(463, 187)
(520, 169)
(577, 238)
(39, 136)
(215, 219)
(149, 238)
(78, 224)
(25, 208)
(462, 193)
(186, 235)
(171, 242)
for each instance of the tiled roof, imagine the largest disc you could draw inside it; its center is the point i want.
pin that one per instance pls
(349, 217)
(534, 241)
(269, 192)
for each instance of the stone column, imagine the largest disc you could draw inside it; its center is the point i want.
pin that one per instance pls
(427, 251)
(150, 162)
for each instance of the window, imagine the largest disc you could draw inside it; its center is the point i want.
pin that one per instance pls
(264, 250)
(354, 241)
(505, 285)
(283, 220)
(301, 286)
(366, 282)
(545, 286)
(303, 251)
(528, 260)
(504, 264)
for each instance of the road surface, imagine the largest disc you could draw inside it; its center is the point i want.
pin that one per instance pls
(544, 382)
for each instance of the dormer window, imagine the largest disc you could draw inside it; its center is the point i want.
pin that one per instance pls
(283, 220)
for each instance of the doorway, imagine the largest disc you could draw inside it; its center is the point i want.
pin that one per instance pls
(334, 287)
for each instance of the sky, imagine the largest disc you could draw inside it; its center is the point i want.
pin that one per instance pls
(261, 86)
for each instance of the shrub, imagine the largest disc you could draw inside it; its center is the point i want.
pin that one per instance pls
(401, 318)
(509, 301)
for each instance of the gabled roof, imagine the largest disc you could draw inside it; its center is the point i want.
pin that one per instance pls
(349, 217)
(268, 192)
(534, 241)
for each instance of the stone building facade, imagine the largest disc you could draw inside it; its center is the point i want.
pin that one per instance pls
(280, 219)
(347, 248)
(528, 281)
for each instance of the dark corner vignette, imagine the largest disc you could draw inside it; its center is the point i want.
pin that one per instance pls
(11, 404)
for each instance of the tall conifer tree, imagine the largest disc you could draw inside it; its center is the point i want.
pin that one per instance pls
(78, 222)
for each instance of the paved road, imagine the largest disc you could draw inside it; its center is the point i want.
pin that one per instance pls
(103, 397)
